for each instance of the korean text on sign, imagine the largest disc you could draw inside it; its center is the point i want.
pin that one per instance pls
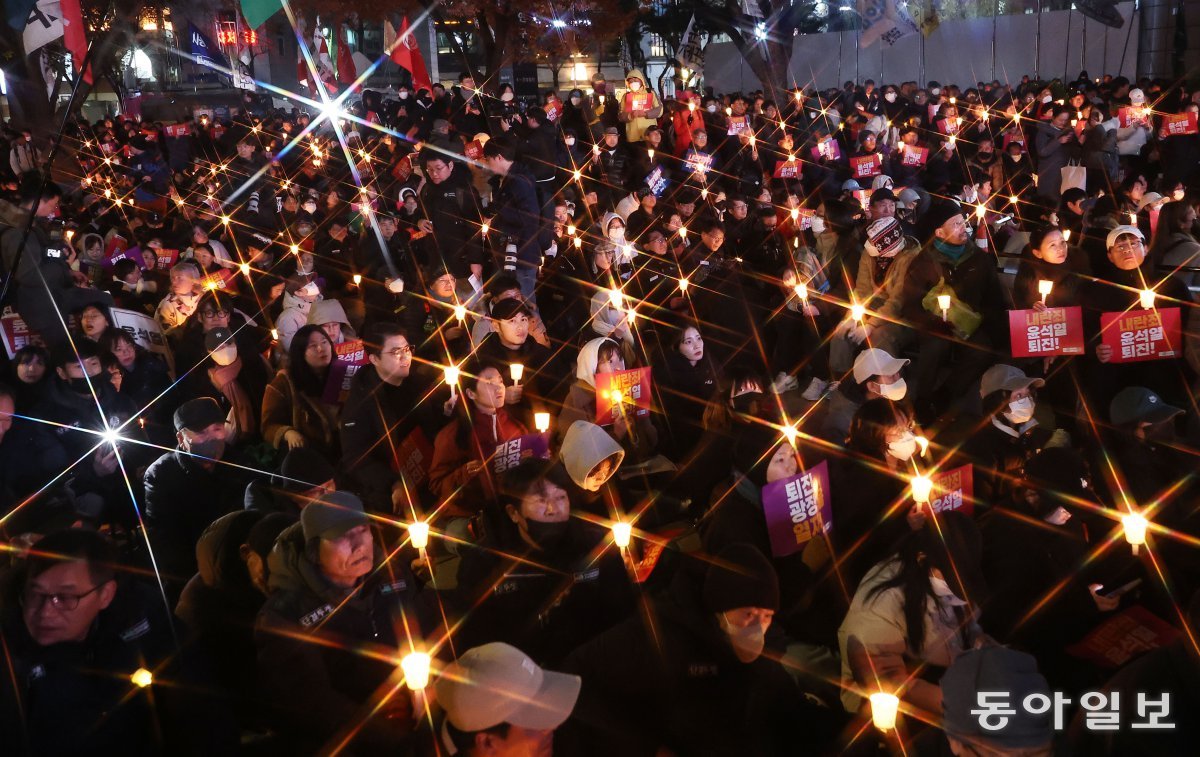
(797, 509)
(1142, 334)
(622, 388)
(1054, 331)
(954, 490)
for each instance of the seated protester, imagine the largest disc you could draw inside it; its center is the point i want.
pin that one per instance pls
(880, 287)
(331, 316)
(79, 403)
(886, 641)
(330, 630)
(498, 702)
(685, 380)
(502, 287)
(206, 260)
(220, 603)
(761, 456)
(1117, 288)
(431, 317)
(180, 302)
(539, 578)
(510, 344)
(1049, 258)
(303, 476)
(876, 374)
(237, 384)
(215, 309)
(298, 298)
(591, 458)
(74, 635)
(132, 290)
(92, 320)
(609, 316)
(461, 472)
(1036, 554)
(989, 669)
(145, 377)
(295, 412)
(644, 217)
(385, 406)
(190, 487)
(29, 378)
(1007, 434)
(709, 682)
(976, 323)
(600, 356)
(1174, 247)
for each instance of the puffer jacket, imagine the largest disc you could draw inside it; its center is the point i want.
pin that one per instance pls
(635, 127)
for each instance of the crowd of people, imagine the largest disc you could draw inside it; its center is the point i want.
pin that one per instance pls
(610, 424)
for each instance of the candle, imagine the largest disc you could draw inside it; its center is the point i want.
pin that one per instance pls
(244, 268)
(683, 233)
(1135, 529)
(858, 312)
(944, 304)
(692, 107)
(952, 141)
(980, 211)
(1133, 219)
(651, 154)
(622, 532)
(797, 97)
(357, 279)
(683, 284)
(142, 678)
(601, 100)
(795, 213)
(451, 376)
(274, 335)
(1146, 298)
(541, 421)
(704, 193)
(418, 533)
(801, 291)
(1044, 289)
(790, 433)
(615, 298)
(578, 243)
(1066, 235)
(571, 229)
(729, 111)
(922, 487)
(516, 370)
(1016, 118)
(578, 176)
(923, 443)
(953, 100)
(416, 670)
(484, 228)
(141, 423)
(884, 708)
(1012, 199)
(460, 313)
(225, 220)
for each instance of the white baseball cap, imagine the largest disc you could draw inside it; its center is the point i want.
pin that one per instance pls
(874, 362)
(1137, 97)
(1120, 231)
(498, 683)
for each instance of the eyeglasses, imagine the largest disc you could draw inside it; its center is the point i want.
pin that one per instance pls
(34, 599)
(399, 352)
(1127, 244)
(214, 314)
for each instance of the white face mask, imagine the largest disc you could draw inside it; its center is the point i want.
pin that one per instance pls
(506, 97)
(711, 109)
(1059, 517)
(635, 85)
(1018, 157)
(943, 591)
(1046, 99)
(903, 448)
(1177, 195)
(890, 97)
(616, 235)
(225, 355)
(894, 391)
(403, 95)
(575, 101)
(817, 225)
(1020, 411)
(570, 141)
(935, 91)
(310, 207)
(747, 642)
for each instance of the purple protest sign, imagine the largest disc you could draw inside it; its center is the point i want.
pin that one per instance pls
(510, 454)
(797, 509)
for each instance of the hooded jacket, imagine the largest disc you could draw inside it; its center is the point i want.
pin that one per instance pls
(311, 636)
(331, 311)
(635, 127)
(584, 447)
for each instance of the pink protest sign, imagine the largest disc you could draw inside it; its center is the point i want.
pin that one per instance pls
(797, 508)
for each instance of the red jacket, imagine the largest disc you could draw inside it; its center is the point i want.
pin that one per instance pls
(465, 494)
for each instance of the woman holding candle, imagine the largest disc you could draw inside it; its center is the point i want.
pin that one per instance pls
(294, 410)
(464, 452)
(685, 380)
(915, 608)
(635, 432)
(1048, 258)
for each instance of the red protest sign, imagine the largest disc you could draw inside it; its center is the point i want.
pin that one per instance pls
(554, 110)
(653, 551)
(403, 169)
(348, 357)
(511, 453)
(797, 508)
(953, 490)
(736, 125)
(864, 198)
(1127, 115)
(1054, 331)
(1013, 135)
(166, 259)
(1124, 636)
(219, 279)
(622, 389)
(16, 332)
(1180, 124)
(827, 148)
(636, 101)
(176, 131)
(913, 155)
(787, 169)
(411, 459)
(474, 150)
(866, 166)
(1139, 335)
(116, 244)
(949, 126)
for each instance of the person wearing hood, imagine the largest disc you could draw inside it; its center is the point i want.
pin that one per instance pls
(976, 675)
(220, 603)
(190, 487)
(708, 672)
(917, 609)
(331, 316)
(1116, 289)
(465, 452)
(299, 295)
(538, 578)
(591, 459)
(638, 120)
(328, 634)
(295, 412)
(603, 355)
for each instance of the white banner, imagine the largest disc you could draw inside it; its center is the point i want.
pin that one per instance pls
(45, 25)
(145, 332)
(886, 20)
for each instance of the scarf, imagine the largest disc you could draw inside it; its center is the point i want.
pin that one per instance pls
(953, 252)
(224, 377)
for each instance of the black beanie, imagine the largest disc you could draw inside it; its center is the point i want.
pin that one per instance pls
(938, 214)
(304, 468)
(740, 576)
(753, 450)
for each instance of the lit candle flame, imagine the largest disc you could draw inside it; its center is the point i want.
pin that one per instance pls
(1146, 298)
(460, 312)
(922, 487)
(1045, 287)
(357, 279)
(418, 534)
(923, 443)
(1135, 529)
(622, 533)
(801, 291)
(884, 708)
(683, 284)
(516, 370)
(615, 298)
(142, 678)
(416, 670)
(857, 312)
(541, 421)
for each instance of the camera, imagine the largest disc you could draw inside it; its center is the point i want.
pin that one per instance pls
(55, 246)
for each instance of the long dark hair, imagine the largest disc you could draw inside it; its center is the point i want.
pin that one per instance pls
(868, 429)
(303, 377)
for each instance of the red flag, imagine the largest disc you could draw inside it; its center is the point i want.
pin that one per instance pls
(347, 73)
(75, 36)
(407, 55)
(301, 69)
